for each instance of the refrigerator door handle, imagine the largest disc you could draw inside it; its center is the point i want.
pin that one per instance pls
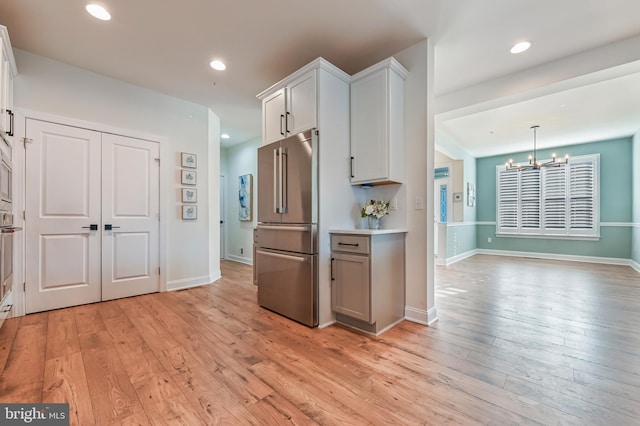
(284, 256)
(284, 180)
(275, 180)
(284, 228)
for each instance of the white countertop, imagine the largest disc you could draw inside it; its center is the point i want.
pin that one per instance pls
(368, 231)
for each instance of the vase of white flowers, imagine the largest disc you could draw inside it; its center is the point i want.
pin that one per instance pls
(373, 210)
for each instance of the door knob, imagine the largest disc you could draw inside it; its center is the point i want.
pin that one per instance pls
(109, 227)
(92, 227)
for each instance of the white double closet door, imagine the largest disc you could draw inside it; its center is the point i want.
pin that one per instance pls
(92, 216)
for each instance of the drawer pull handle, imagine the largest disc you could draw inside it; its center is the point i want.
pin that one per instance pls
(349, 244)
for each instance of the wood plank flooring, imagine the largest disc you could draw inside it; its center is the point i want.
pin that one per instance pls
(519, 341)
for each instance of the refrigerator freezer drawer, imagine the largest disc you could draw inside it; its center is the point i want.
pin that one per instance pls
(288, 284)
(293, 238)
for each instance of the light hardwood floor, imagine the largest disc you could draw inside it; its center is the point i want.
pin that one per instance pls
(518, 342)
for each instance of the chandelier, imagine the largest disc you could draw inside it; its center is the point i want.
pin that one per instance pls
(533, 160)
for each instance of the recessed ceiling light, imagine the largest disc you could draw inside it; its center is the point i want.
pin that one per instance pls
(98, 11)
(520, 47)
(225, 136)
(218, 65)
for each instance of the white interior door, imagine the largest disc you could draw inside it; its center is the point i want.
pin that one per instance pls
(79, 183)
(63, 200)
(130, 216)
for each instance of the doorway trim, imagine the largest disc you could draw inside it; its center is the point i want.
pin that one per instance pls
(19, 177)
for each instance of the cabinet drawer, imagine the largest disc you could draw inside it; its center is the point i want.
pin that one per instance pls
(350, 243)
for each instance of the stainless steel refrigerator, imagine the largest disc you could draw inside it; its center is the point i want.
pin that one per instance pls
(286, 257)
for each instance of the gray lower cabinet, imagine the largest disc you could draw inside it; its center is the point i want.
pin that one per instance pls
(368, 280)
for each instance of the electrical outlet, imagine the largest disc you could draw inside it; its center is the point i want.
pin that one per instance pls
(393, 206)
(419, 203)
(241, 251)
(489, 239)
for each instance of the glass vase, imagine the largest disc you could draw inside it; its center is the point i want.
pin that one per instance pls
(374, 222)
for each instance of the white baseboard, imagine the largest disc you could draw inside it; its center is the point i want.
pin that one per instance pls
(635, 265)
(554, 256)
(189, 282)
(421, 316)
(240, 259)
(458, 258)
(326, 324)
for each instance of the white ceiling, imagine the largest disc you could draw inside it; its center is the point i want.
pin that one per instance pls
(480, 87)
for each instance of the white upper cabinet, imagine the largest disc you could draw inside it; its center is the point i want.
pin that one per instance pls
(377, 124)
(7, 73)
(292, 105)
(291, 109)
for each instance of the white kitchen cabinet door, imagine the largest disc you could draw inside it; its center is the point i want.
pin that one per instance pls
(351, 287)
(273, 117)
(131, 208)
(4, 86)
(63, 199)
(301, 111)
(377, 124)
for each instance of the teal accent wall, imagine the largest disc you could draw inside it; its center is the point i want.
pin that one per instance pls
(461, 238)
(635, 241)
(616, 201)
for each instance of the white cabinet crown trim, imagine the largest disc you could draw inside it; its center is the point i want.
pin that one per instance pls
(4, 34)
(390, 63)
(319, 63)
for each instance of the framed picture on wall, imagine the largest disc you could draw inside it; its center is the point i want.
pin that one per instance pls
(471, 194)
(189, 195)
(245, 197)
(188, 177)
(189, 212)
(189, 160)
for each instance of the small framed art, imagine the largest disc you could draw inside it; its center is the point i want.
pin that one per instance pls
(245, 197)
(189, 212)
(189, 195)
(189, 160)
(188, 177)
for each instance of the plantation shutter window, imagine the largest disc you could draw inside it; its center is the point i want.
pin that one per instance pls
(555, 201)
(507, 200)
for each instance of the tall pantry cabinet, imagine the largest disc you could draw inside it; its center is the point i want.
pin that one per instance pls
(8, 72)
(317, 96)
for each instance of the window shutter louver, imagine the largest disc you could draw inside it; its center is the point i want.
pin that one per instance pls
(555, 197)
(582, 189)
(508, 200)
(530, 199)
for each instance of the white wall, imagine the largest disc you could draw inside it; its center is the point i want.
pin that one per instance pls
(635, 241)
(241, 159)
(58, 89)
(419, 139)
